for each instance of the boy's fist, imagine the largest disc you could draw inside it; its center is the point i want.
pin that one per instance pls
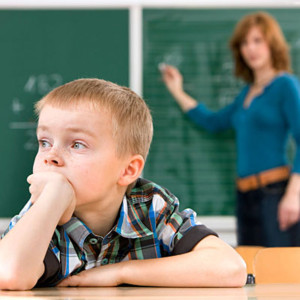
(55, 186)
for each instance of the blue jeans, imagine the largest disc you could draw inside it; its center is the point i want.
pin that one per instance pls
(257, 218)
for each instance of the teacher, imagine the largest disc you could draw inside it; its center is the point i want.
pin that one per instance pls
(263, 115)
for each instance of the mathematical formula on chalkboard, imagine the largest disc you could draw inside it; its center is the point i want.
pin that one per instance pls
(39, 85)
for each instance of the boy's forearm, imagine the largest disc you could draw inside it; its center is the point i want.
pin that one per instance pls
(23, 249)
(205, 266)
(211, 263)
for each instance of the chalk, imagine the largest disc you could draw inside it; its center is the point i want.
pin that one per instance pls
(161, 66)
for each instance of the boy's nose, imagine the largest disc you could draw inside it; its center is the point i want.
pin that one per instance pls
(54, 159)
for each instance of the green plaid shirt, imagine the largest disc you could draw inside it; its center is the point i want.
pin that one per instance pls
(150, 225)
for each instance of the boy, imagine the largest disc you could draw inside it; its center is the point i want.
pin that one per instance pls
(91, 221)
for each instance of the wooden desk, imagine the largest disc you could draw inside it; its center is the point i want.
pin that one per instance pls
(258, 292)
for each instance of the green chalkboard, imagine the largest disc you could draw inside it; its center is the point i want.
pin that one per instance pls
(40, 49)
(197, 166)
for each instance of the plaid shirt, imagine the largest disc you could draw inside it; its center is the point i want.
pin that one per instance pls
(150, 225)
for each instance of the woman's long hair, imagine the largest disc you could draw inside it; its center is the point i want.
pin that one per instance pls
(274, 37)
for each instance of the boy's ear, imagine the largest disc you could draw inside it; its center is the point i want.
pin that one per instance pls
(132, 170)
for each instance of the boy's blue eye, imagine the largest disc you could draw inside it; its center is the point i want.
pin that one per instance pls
(78, 145)
(44, 144)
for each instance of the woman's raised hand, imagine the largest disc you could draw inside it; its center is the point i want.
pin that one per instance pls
(172, 79)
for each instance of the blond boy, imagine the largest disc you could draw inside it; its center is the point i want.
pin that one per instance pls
(91, 220)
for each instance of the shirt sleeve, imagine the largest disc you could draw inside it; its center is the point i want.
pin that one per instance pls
(192, 238)
(52, 273)
(291, 110)
(16, 218)
(214, 121)
(178, 230)
(209, 120)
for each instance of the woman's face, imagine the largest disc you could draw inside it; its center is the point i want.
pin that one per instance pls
(255, 50)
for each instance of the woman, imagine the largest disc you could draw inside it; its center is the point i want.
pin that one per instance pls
(263, 114)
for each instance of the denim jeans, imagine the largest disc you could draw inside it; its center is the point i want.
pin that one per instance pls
(257, 218)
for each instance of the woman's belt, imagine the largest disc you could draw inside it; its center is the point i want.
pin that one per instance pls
(262, 179)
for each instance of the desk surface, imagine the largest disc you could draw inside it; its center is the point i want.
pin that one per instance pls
(258, 292)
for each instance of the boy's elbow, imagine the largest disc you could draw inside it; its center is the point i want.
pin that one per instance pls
(15, 280)
(236, 273)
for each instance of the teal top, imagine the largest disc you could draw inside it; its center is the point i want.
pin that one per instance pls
(262, 129)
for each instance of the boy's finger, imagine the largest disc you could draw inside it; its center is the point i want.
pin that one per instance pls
(32, 199)
(69, 281)
(29, 178)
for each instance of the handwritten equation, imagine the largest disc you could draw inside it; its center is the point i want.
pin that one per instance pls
(35, 85)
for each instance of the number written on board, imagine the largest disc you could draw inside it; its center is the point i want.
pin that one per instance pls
(35, 84)
(42, 83)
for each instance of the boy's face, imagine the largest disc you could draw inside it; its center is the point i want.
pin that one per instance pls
(78, 143)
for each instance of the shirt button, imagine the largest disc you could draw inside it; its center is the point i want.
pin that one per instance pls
(104, 261)
(93, 241)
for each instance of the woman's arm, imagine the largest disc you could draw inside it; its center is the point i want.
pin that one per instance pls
(289, 206)
(198, 113)
(174, 82)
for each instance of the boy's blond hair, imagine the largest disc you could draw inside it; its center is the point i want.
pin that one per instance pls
(131, 119)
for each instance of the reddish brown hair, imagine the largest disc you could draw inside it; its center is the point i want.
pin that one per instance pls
(272, 34)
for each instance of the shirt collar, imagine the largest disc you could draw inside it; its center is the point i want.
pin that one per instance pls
(77, 230)
(127, 226)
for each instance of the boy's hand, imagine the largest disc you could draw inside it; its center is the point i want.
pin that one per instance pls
(57, 187)
(108, 275)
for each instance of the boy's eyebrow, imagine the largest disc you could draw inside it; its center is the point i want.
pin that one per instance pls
(41, 128)
(71, 129)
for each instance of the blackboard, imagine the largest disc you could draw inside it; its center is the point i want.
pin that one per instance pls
(197, 166)
(39, 50)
